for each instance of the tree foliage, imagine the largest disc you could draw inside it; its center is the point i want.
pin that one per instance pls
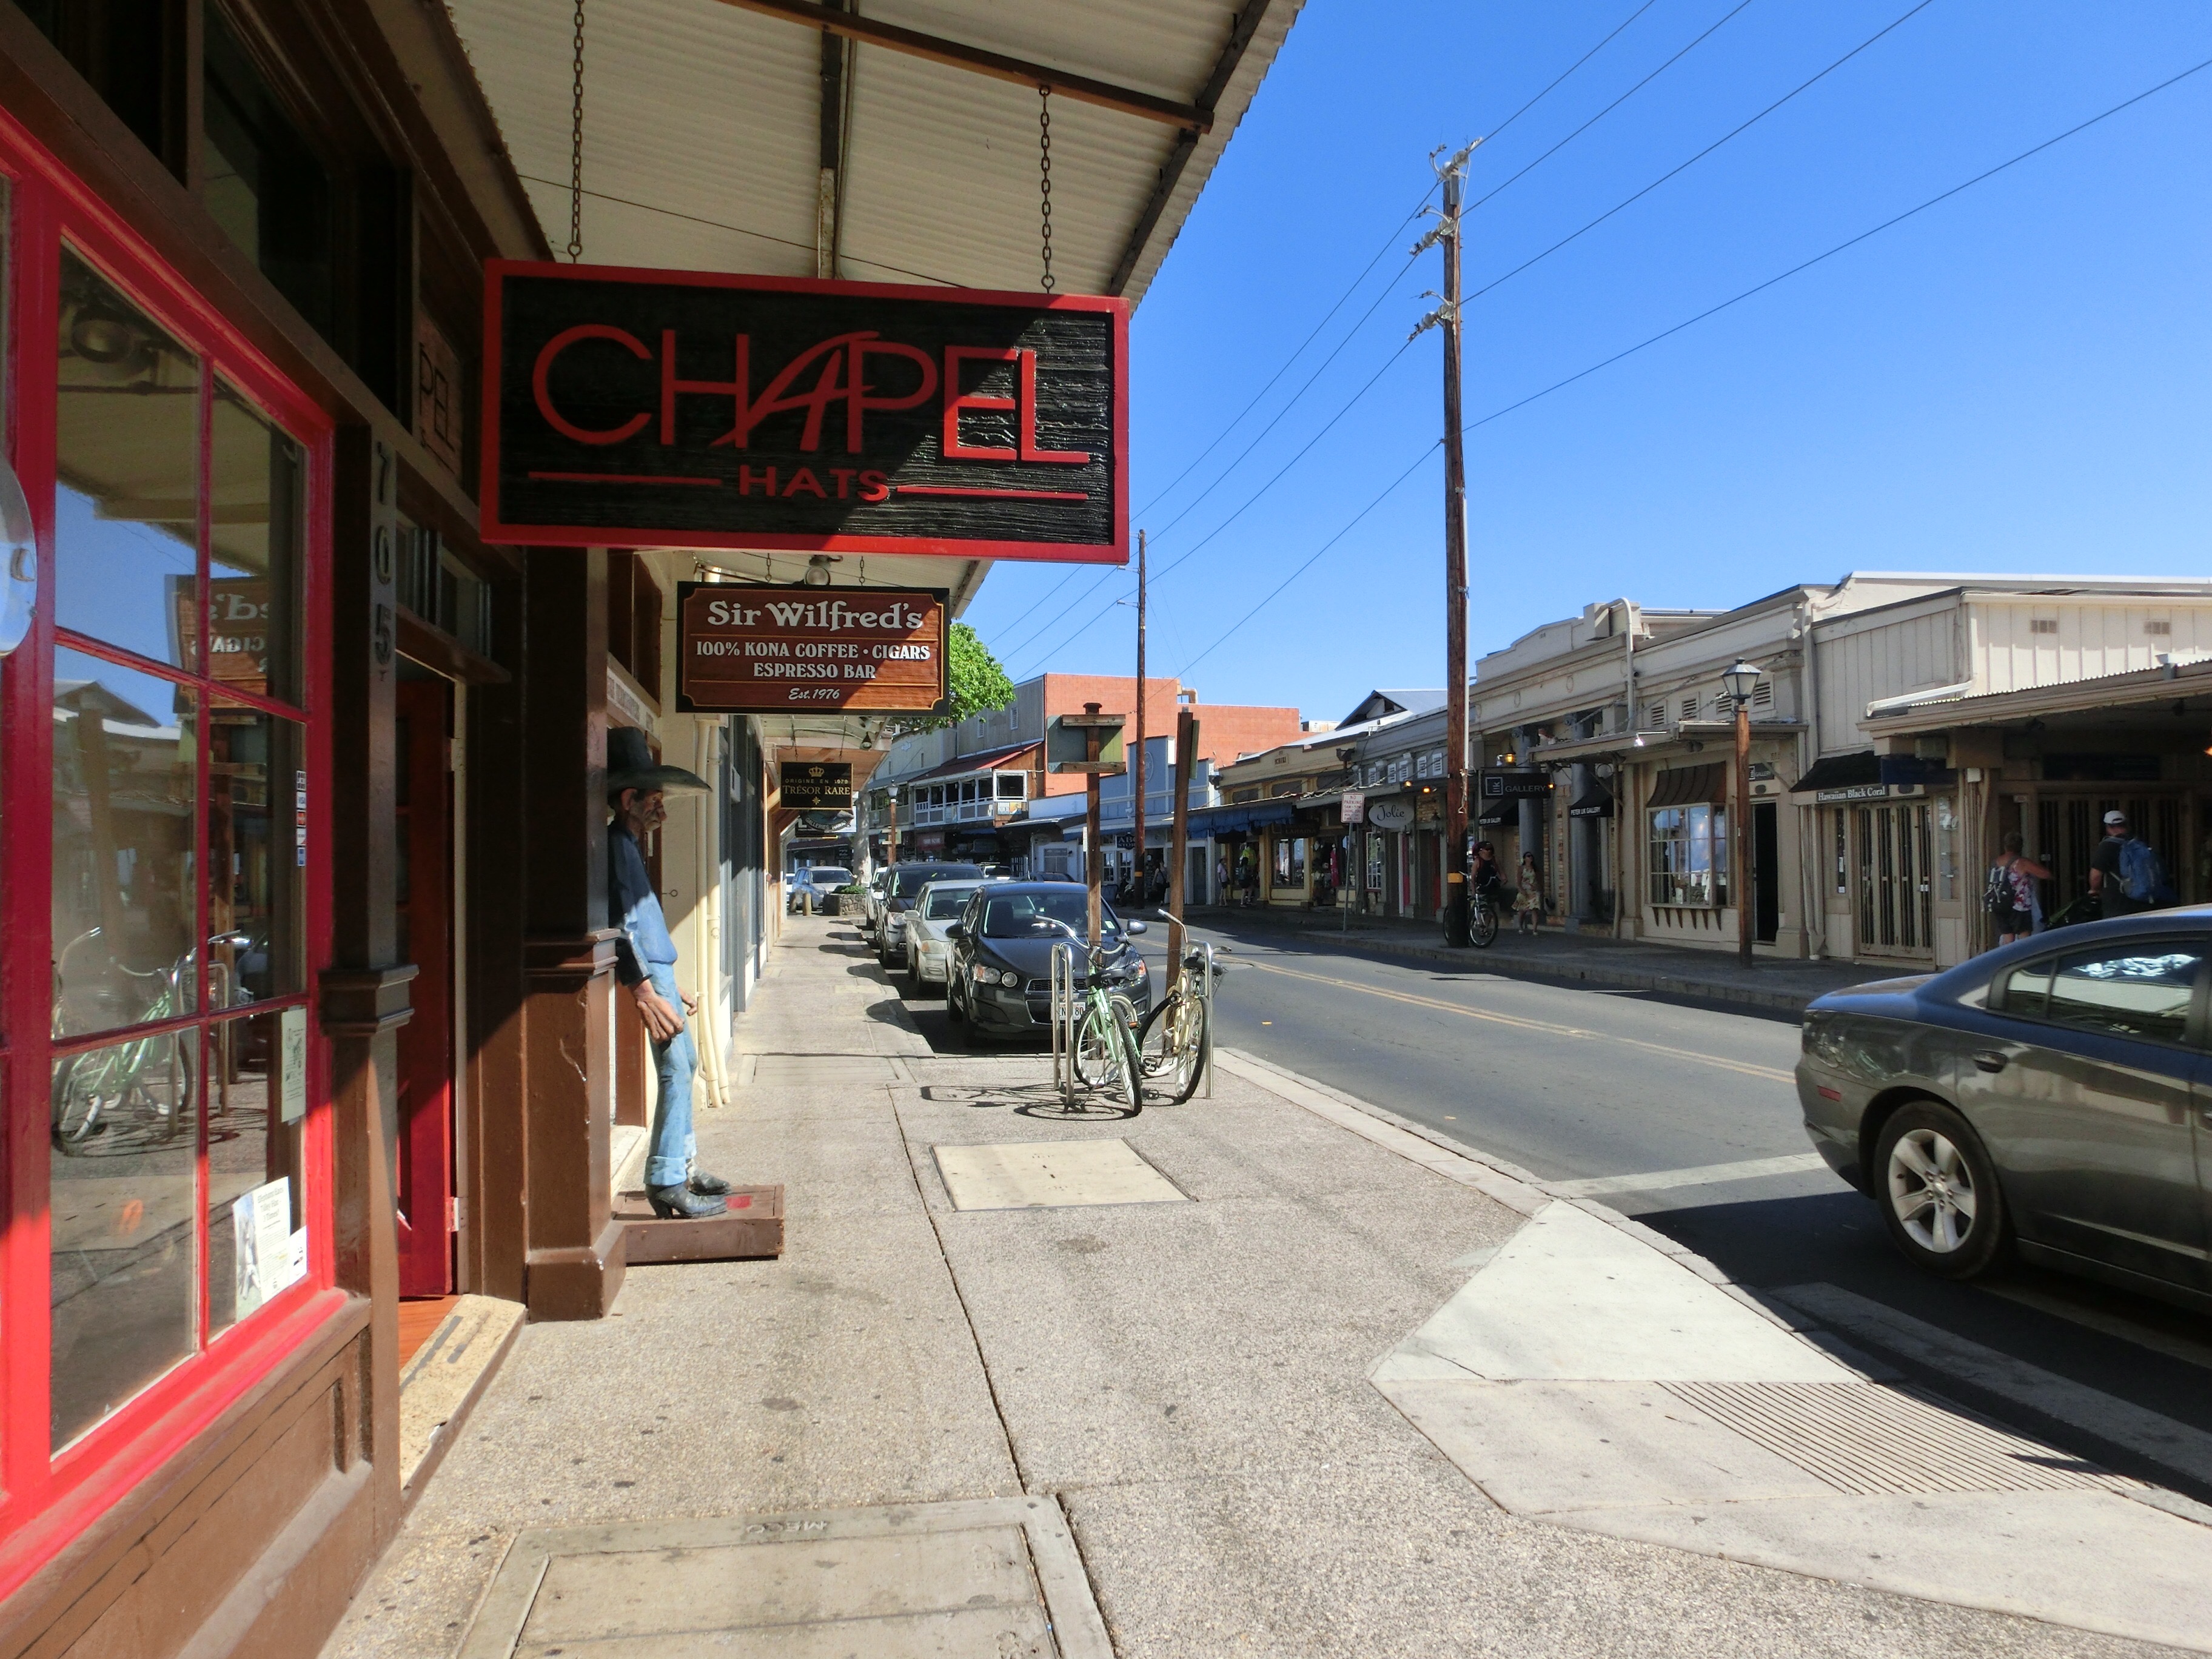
(977, 682)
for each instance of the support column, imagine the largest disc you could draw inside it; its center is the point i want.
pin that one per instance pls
(574, 1265)
(363, 992)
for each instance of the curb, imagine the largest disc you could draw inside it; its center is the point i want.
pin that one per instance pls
(1617, 979)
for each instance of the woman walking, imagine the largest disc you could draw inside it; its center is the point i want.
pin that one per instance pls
(1529, 903)
(2010, 893)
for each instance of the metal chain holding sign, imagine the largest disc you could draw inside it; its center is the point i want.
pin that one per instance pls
(576, 144)
(1044, 177)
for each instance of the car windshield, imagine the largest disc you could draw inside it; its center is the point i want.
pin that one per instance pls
(1027, 915)
(824, 875)
(906, 881)
(945, 903)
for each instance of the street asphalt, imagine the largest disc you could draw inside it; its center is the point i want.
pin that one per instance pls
(1591, 1086)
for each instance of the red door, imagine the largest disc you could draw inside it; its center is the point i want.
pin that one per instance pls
(427, 1211)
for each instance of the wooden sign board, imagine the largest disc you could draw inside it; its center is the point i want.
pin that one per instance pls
(816, 786)
(743, 649)
(690, 409)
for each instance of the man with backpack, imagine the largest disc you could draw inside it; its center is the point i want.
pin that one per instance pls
(2126, 873)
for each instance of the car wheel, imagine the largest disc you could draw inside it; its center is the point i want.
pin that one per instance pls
(1938, 1192)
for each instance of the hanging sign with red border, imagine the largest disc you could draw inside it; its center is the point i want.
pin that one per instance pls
(686, 409)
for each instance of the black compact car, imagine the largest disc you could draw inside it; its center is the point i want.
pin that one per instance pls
(2053, 1097)
(902, 883)
(999, 980)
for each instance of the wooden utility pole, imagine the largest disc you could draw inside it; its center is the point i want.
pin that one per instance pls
(891, 835)
(1742, 875)
(1185, 763)
(1137, 760)
(1094, 859)
(1446, 316)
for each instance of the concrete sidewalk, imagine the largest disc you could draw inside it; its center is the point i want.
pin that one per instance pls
(1771, 984)
(1070, 1428)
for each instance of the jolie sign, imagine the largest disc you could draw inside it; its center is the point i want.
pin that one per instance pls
(745, 650)
(683, 409)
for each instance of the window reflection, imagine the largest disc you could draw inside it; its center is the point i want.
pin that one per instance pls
(2138, 993)
(121, 1192)
(255, 1098)
(126, 492)
(256, 851)
(122, 809)
(256, 556)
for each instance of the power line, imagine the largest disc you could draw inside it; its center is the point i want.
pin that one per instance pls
(1704, 153)
(1569, 70)
(1713, 311)
(1609, 109)
(1388, 491)
(1818, 258)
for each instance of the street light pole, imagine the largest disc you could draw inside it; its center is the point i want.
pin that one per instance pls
(1137, 760)
(1446, 317)
(1741, 679)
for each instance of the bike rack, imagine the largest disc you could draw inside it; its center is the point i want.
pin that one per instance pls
(1206, 996)
(1063, 1022)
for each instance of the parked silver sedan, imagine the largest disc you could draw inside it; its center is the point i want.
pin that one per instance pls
(928, 951)
(2053, 1097)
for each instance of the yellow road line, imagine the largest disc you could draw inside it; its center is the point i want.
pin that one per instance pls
(1519, 1023)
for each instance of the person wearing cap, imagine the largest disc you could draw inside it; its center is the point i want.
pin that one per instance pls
(645, 963)
(2106, 879)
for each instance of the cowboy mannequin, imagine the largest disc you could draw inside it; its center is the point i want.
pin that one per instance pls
(645, 963)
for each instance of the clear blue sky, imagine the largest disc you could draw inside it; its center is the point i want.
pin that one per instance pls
(2018, 380)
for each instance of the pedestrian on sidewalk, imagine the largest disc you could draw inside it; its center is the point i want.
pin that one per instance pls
(2125, 872)
(645, 963)
(2009, 893)
(1529, 903)
(1221, 880)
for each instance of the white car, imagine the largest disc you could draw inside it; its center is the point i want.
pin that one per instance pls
(935, 907)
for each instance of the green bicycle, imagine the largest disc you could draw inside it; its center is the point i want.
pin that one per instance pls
(1094, 1041)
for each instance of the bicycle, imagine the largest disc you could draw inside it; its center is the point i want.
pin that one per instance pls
(147, 1077)
(1100, 1044)
(1481, 920)
(1171, 1044)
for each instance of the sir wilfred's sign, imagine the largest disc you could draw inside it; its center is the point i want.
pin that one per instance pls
(817, 786)
(681, 409)
(757, 650)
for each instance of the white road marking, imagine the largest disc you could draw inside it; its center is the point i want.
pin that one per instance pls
(1704, 1175)
(2128, 1330)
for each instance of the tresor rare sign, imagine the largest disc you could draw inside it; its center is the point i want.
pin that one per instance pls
(684, 408)
(782, 650)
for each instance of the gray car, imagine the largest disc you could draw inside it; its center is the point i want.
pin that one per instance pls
(2053, 1097)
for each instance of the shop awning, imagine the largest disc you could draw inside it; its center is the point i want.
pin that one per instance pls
(1240, 820)
(1864, 770)
(1592, 803)
(1690, 785)
(1498, 813)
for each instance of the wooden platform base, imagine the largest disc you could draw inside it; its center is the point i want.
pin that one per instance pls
(750, 1230)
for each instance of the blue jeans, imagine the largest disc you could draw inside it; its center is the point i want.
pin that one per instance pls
(675, 1060)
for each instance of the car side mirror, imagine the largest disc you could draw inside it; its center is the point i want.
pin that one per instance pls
(955, 930)
(1132, 927)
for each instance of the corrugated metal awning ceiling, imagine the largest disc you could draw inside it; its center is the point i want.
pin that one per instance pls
(702, 133)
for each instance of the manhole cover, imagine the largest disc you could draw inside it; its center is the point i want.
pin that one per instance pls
(996, 1579)
(1045, 1174)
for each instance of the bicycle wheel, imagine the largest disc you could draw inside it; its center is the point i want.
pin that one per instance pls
(1098, 1055)
(1130, 1072)
(1171, 1044)
(84, 1097)
(1481, 926)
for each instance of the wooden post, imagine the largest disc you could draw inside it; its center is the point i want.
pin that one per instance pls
(1094, 857)
(1186, 764)
(1741, 875)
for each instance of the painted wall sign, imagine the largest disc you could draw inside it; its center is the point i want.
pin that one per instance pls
(817, 786)
(687, 409)
(743, 649)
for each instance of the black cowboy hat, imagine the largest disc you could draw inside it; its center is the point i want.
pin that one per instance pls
(631, 765)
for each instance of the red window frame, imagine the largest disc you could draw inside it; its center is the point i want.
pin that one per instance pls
(48, 1498)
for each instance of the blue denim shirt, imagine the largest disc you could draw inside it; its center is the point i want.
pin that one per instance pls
(636, 908)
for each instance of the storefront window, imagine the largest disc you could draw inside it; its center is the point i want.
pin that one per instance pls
(127, 468)
(1291, 861)
(257, 487)
(1688, 859)
(123, 780)
(257, 1099)
(120, 1193)
(257, 855)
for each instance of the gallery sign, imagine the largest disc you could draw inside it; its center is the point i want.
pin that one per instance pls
(816, 786)
(1498, 784)
(688, 409)
(751, 650)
